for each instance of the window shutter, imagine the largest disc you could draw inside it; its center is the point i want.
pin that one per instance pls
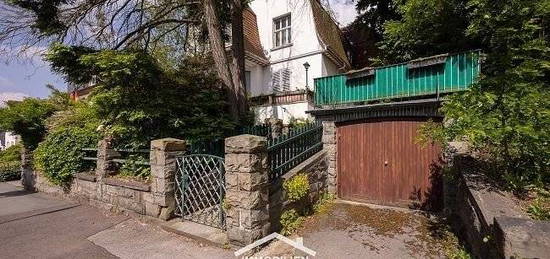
(276, 81)
(286, 79)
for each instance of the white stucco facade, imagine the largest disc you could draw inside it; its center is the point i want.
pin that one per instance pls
(8, 139)
(305, 46)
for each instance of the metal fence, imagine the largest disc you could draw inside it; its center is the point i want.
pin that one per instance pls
(263, 130)
(287, 151)
(90, 154)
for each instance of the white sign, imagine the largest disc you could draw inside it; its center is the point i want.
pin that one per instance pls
(298, 244)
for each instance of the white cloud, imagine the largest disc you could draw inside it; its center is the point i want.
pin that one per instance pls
(11, 96)
(344, 11)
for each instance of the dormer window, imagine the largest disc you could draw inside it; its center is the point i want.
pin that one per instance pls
(281, 31)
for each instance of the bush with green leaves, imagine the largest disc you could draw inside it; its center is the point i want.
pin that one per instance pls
(505, 116)
(139, 100)
(135, 166)
(27, 118)
(296, 188)
(60, 155)
(11, 154)
(290, 221)
(10, 171)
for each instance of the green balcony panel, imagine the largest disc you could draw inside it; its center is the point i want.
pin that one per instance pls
(420, 77)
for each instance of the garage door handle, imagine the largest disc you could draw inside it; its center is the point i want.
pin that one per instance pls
(386, 163)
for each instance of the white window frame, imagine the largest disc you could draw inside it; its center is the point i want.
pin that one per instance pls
(283, 32)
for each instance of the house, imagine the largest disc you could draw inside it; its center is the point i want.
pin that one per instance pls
(287, 44)
(281, 38)
(8, 139)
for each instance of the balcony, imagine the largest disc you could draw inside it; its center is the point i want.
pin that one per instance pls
(418, 78)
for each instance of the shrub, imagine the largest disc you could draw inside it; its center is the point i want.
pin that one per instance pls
(11, 154)
(27, 119)
(135, 166)
(540, 207)
(290, 221)
(10, 171)
(59, 156)
(323, 203)
(139, 100)
(296, 188)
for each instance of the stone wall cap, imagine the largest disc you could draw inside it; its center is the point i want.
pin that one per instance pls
(492, 203)
(127, 184)
(526, 238)
(86, 177)
(245, 144)
(168, 144)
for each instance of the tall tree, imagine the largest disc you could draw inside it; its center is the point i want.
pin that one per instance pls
(136, 24)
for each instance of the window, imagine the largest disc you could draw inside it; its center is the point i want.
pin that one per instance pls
(281, 31)
(280, 80)
(247, 81)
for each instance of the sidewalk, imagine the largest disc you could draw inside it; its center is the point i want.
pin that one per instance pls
(34, 225)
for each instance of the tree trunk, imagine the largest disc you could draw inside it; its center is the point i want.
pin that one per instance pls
(237, 55)
(231, 74)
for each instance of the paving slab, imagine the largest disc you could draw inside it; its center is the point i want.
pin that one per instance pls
(352, 230)
(199, 232)
(133, 239)
(16, 201)
(59, 234)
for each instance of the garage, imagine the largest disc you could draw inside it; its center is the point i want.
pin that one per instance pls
(379, 161)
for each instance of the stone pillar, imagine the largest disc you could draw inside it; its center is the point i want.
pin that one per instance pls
(28, 178)
(247, 192)
(105, 155)
(162, 203)
(276, 127)
(329, 144)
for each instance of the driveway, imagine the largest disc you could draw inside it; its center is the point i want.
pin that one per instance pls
(347, 230)
(34, 225)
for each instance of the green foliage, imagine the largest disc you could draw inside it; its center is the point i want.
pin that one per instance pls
(136, 166)
(374, 13)
(27, 119)
(11, 154)
(290, 221)
(458, 253)
(139, 100)
(46, 14)
(506, 116)
(324, 202)
(10, 171)
(59, 156)
(427, 27)
(296, 188)
(540, 207)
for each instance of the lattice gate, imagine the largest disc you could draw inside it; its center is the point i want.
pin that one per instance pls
(200, 191)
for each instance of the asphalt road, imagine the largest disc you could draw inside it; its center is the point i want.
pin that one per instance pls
(33, 225)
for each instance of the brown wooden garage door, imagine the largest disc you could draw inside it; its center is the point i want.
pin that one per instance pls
(379, 161)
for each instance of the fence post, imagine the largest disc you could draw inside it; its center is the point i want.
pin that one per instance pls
(276, 127)
(105, 155)
(163, 172)
(329, 144)
(247, 192)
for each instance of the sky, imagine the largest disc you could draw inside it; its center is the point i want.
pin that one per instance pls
(29, 77)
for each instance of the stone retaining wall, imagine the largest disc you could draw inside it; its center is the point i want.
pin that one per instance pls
(96, 188)
(492, 223)
(253, 204)
(316, 168)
